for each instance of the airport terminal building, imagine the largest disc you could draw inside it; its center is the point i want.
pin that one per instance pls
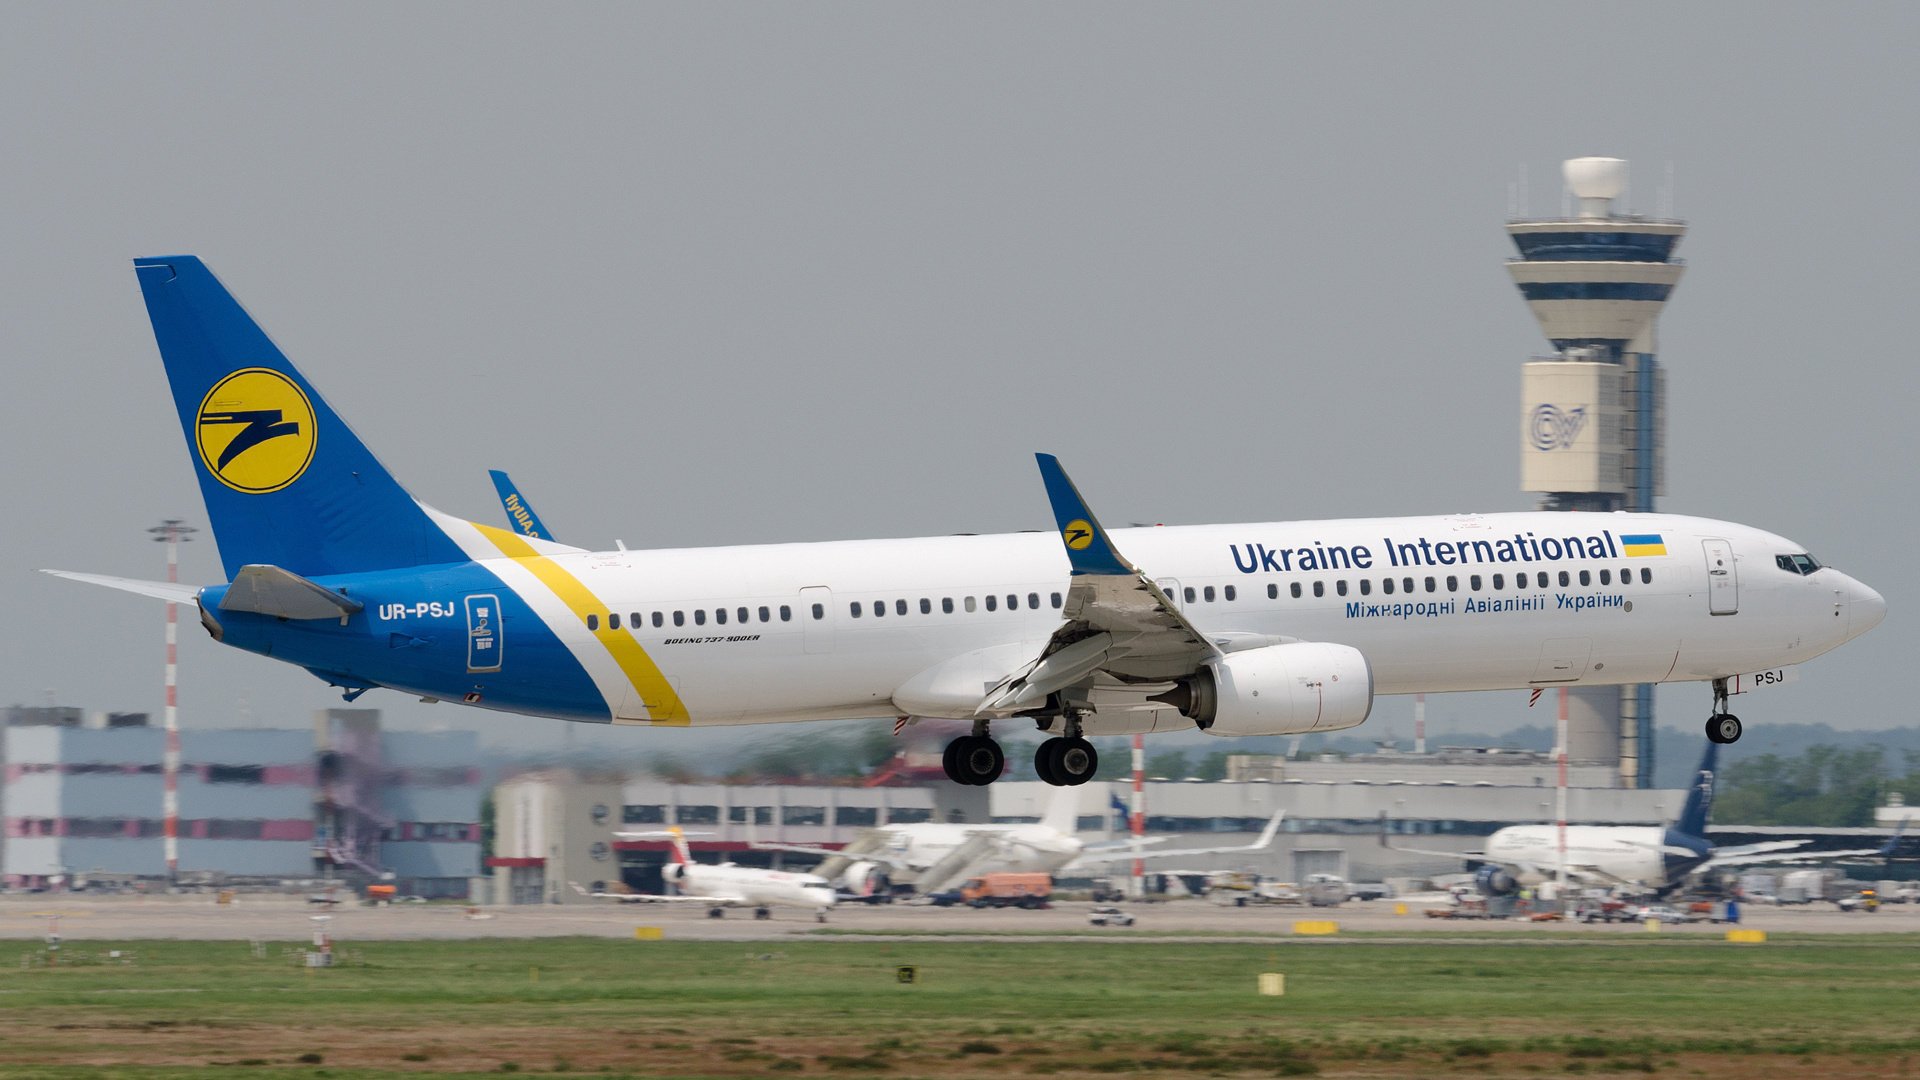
(341, 798)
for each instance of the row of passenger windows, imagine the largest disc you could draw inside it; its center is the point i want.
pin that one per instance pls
(1521, 580)
(878, 608)
(947, 605)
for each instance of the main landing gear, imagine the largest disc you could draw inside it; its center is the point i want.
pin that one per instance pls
(1066, 762)
(1722, 727)
(974, 760)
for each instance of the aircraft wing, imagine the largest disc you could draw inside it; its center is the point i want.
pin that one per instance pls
(1123, 639)
(1266, 840)
(159, 590)
(1754, 858)
(656, 898)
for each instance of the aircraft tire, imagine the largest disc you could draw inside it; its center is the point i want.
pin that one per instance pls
(949, 760)
(1075, 762)
(977, 760)
(1723, 728)
(1044, 758)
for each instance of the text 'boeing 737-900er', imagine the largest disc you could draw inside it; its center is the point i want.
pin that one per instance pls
(1267, 628)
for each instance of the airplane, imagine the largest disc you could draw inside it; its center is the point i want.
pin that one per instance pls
(939, 854)
(1275, 628)
(1641, 856)
(725, 885)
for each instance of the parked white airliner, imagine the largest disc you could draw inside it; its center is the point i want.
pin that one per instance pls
(725, 885)
(1249, 629)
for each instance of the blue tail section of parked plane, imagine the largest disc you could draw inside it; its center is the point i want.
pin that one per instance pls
(1693, 813)
(286, 482)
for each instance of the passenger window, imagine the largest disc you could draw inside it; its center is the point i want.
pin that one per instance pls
(1606, 576)
(1033, 600)
(1431, 586)
(679, 618)
(634, 621)
(1453, 583)
(1646, 575)
(899, 607)
(741, 615)
(879, 609)
(720, 616)
(1541, 578)
(1340, 587)
(1207, 594)
(1296, 590)
(765, 615)
(1013, 602)
(659, 619)
(593, 622)
(819, 611)
(854, 609)
(1626, 576)
(926, 606)
(1366, 586)
(1057, 600)
(1586, 578)
(1499, 582)
(613, 620)
(1473, 582)
(1565, 579)
(969, 605)
(993, 602)
(1228, 593)
(1386, 586)
(786, 613)
(1319, 588)
(699, 616)
(946, 605)
(1408, 583)
(1189, 593)
(1273, 591)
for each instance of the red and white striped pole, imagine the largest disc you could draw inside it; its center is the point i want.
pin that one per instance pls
(1137, 821)
(171, 532)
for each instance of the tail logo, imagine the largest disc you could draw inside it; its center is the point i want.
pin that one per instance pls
(255, 431)
(1078, 534)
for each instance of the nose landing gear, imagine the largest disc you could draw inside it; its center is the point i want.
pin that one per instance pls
(1722, 727)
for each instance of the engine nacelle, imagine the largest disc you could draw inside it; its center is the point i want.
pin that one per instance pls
(1493, 880)
(866, 880)
(1288, 689)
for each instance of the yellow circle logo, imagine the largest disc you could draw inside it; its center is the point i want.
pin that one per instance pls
(1078, 534)
(255, 431)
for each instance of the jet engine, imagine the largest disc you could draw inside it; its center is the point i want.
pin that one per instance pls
(1286, 689)
(674, 873)
(1494, 881)
(868, 881)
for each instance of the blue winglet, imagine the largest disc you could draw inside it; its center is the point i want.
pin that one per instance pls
(1088, 549)
(520, 513)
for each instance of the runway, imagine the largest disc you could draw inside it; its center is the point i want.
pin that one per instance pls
(282, 918)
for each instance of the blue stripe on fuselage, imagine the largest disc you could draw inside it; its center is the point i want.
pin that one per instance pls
(412, 636)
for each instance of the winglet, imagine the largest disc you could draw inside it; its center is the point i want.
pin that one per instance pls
(520, 515)
(1088, 548)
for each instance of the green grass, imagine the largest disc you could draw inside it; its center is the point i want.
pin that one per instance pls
(1496, 1005)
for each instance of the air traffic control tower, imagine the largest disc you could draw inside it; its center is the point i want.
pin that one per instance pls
(1592, 414)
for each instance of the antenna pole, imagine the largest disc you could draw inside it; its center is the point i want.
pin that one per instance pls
(172, 532)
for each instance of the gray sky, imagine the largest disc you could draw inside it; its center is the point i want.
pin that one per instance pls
(704, 274)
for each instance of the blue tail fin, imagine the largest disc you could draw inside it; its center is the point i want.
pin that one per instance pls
(1693, 813)
(286, 482)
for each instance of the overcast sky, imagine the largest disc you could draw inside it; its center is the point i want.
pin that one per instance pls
(710, 274)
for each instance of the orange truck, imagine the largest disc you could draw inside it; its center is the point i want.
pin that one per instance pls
(1007, 890)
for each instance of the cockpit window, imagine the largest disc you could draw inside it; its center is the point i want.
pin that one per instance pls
(1802, 564)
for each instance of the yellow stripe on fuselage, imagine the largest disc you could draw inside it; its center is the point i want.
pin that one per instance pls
(1635, 551)
(634, 662)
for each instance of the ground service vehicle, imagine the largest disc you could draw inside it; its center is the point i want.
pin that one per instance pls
(1110, 916)
(1008, 890)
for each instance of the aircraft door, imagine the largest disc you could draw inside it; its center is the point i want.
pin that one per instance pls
(485, 643)
(1563, 660)
(1171, 586)
(1723, 583)
(816, 618)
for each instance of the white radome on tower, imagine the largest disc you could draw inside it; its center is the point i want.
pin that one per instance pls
(1596, 182)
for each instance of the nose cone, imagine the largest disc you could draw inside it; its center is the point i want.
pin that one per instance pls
(1865, 608)
(820, 896)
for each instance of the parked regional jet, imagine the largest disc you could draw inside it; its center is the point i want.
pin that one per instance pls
(725, 885)
(1646, 856)
(1248, 629)
(937, 854)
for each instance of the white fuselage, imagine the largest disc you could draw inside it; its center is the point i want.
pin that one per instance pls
(1607, 853)
(749, 886)
(1016, 848)
(1431, 602)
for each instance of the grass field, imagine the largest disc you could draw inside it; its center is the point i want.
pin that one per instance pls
(1359, 1007)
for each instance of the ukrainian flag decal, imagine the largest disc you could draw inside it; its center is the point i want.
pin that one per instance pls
(1640, 544)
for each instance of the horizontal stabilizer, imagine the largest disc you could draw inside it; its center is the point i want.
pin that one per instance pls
(269, 590)
(159, 590)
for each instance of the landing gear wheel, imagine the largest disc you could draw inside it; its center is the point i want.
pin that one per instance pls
(762, 913)
(1723, 728)
(1044, 758)
(1075, 762)
(974, 760)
